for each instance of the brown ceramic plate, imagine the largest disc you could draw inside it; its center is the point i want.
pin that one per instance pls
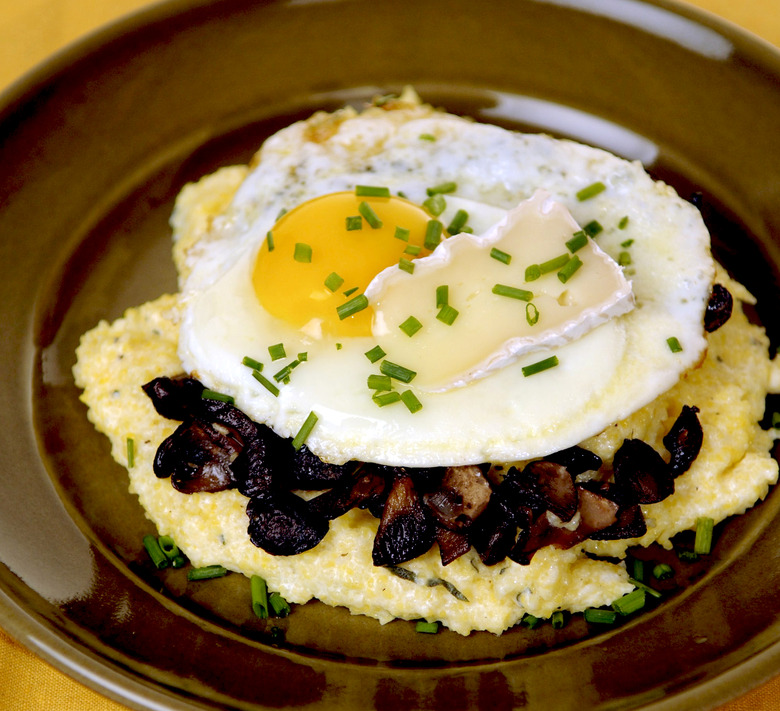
(93, 148)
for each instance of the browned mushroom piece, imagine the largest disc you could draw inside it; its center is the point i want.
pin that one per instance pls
(452, 544)
(260, 467)
(719, 308)
(576, 459)
(462, 495)
(174, 398)
(406, 529)
(284, 525)
(494, 533)
(543, 485)
(684, 440)
(308, 471)
(364, 489)
(641, 474)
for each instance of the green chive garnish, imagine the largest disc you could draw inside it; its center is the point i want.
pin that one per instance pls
(375, 354)
(554, 264)
(333, 282)
(305, 431)
(447, 314)
(646, 588)
(208, 572)
(442, 295)
(402, 233)
(371, 217)
(531, 314)
(267, 384)
(269, 240)
(532, 272)
(703, 542)
(379, 382)
(303, 356)
(371, 191)
(531, 621)
(500, 256)
(284, 373)
(213, 395)
(406, 265)
(631, 602)
(386, 398)
(279, 605)
(302, 253)
(282, 212)
(353, 306)
(539, 366)
(410, 326)
(442, 188)
(600, 617)
(354, 222)
(398, 372)
(458, 222)
(674, 344)
(427, 137)
(252, 363)
(577, 241)
(277, 351)
(623, 222)
(513, 292)
(591, 191)
(259, 591)
(339, 346)
(427, 627)
(168, 547)
(593, 228)
(776, 420)
(130, 452)
(351, 291)
(558, 620)
(627, 243)
(687, 556)
(433, 234)
(436, 204)
(155, 552)
(636, 569)
(412, 249)
(624, 259)
(567, 271)
(662, 571)
(410, 400)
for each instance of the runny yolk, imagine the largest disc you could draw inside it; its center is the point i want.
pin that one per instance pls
(294, 289)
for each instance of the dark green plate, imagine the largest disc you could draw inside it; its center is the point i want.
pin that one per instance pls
(93, 148)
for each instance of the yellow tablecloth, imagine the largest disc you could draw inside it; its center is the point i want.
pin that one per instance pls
(31, 30)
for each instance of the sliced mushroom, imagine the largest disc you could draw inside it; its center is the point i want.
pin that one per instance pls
(641, 474)
(452, 544)
(543, 485)
(363, 489)
(684, 440)
(576, 459)
(308, 471)
(719, 308)
(461, 496)
(495, 531)
(174, 398)
(284, 525)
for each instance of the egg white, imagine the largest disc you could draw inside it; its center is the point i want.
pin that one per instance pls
(602, 377)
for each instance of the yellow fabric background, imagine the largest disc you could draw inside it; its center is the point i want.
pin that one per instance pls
(31, 30)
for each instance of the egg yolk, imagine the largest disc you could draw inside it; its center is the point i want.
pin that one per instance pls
(325, 252)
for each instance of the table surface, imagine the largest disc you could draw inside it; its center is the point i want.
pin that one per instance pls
(32, 30)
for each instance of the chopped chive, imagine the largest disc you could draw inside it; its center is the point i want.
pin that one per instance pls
(458, 222)
(598, 616)
(303, 356)
(282, 212)
(636, 569)
(339, 346)
(703, 543)
(427, 627)
(593, 228)
(554, 264)
(776, 420)
(630, 602)
(168, 547)
(427, 137)
(433, 234)
(269, 240)
(646, 588)
(447, 314)
(577, 241)
(674, 344)
(279, 605)
(267, 384)
(623, 222)
(412, 249)
(302, 253)
(567, 271)
(152, 546)
(305, 431)
(532, 272)
(130, 452)
(410, 400)
(375, 354)
(442, 295)
(539, 366)
(500, 256)
(252, 363)
(402, 233)
(353, 306)
(406, 265)
(371, 217)
(662, 571)
(277, 351)
(333, 281)
(687, 556)
(379, 382)
(208, 572)
(386, 398)
(401, 194)
(284, 373)
(372, 191)
(558, 620)
(442, 188)
(410, 326)
(591, 191)
(259, 592)
(531, 621)
(624, 259)
(398, 372)
(531, 314)
(436, 204)
(513, 292)
(353, 222)
(351, 291)
(627, 243)
(214, 395)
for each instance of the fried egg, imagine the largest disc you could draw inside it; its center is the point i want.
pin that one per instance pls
(317, 295)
